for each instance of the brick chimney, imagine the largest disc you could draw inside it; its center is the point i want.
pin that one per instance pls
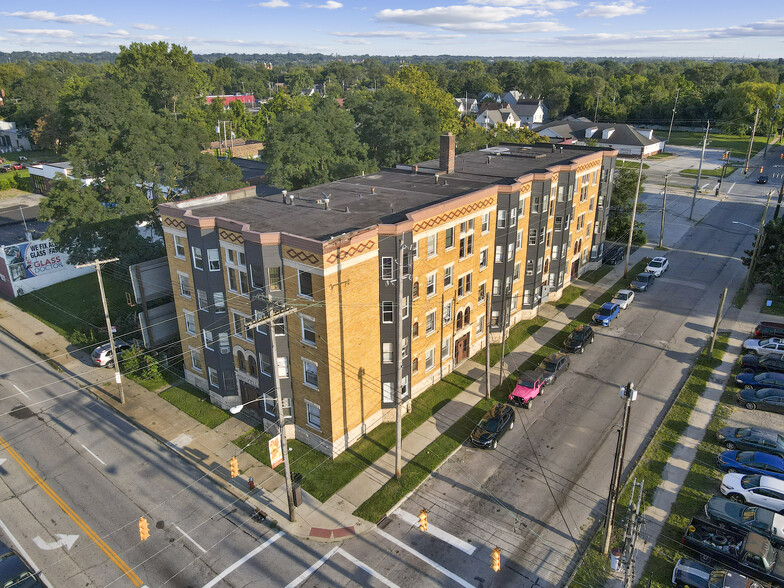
(447, 160)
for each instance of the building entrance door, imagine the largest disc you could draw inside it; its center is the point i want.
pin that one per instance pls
(461, 348)
(249, 393)
(575, 268)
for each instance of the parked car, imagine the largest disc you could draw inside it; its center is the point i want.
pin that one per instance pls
(528, 387)
(771, 399)
(767, 329)
(758, 381)
(689, 573)
(642, 282)
(623, 298)
(614, 255)
(17, 166)
(762, 180)
(579, 338)
(553, 366)
(497, 421)
(767, 363)
(728, 513)
(755, 489)
(751, 439)
(751, 462)
(102, 355)
(765, 346)
(657, 266)
(6, 167)
(14, 571)
(607, 312)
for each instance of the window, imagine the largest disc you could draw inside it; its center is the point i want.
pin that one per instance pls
(269, 403)
(190, 322)
(430, 359)
(507, 283)
(532, 236)
(308, 330)
(555, 252)
(415, 290)
(497, 287)
(196, 359)
(448, 277)
(283, 367)
(467, 226)
(279, 325)
(519, 240)
(415, 365)
(590, 205)
(256, 277)
(446, 344)
(305, 284)
(213, 260)
(223, 342)
(432, 244)
(584, 192)
(238, 322)
(499, 253)
(513, 217)
(449, 238)
(581, 222)
(483, 258)
(467, 316)
(274, 278)
(431, 284)
(213, 373)
(501, 219)
(480, 325)
(541, 237)
(219, 301)
(185, 285)
(539, 265)
(314, 414)
(464, 285)
(310, 369)
(406, 306)
(415, 249)
(447, 312)
(238, 280)
(588, 230)
(265, 364)
(529, 267)
(495, 319)
(513, 304)
(387, 392)
(527, 297)
(387, 353)
(466, 246)
(510, 252)
(558, 223)
(387, 312)
(386, 268)
(459, 319)
(547, 241)
(516, 272)
(415, 329)
(485, 222)
(198, 260)
(482, 291)
(430, 322)
(535, 204)
(560, 193)
(179, 246)
(552, 208)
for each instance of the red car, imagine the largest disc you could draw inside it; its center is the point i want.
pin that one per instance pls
(17, 166)
(529, 386)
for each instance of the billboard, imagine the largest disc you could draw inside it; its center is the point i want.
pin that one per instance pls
(33, 259)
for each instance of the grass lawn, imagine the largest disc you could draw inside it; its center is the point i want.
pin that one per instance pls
(517, 334)
(594, 276)
(73, 308)
(195, 403)
(621, 163)
(34, 155)
(777, 308)
(713, 173)
(737, 144)
(570, 294)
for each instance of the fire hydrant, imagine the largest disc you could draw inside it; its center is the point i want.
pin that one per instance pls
(251, 484)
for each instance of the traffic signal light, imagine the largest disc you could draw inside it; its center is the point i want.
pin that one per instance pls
(762, 168)
(496, 559)
(144, 529)
(423, 520)
(234, 467)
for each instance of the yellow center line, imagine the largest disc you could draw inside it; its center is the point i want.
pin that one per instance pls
(75, 517)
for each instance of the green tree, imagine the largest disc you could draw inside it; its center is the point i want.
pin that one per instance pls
(621, 206)
(414, 81)
(769, 267)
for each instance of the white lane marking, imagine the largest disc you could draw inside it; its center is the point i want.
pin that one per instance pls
(243, 559)
(24, 554)
(425, 559)
(189, 538)
(22, 392)
(731, 187)
(91, 453)
(2, 460)
(307, 573)
(412, 520)
(367, 568)
(703, 186)
(63, 540)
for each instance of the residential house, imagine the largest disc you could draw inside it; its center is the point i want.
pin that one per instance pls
(511, 97)
(492, 117)
(466, 106)
(248, 100)
(481, 240)
(11, 138)
(531, 112)
(624, 138)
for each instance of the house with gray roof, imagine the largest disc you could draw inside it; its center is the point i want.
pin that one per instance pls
(531, 111)
(466, 106)
(626, 139)
(493, 117)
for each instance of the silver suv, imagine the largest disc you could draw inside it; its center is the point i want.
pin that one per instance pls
(102, 355)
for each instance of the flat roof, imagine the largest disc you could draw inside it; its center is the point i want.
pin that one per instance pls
(387, 196)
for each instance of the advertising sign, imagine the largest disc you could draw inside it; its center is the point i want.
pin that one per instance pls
(276, 454)
(33, 259)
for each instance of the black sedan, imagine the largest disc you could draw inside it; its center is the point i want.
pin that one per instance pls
(614, 255)
(14, 571)
(761, 380)
(497, 421)
(752, 362)
(751, 439)
(579, 339)
(771, 399)
(553, 365)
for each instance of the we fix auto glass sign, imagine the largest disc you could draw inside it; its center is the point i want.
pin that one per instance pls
(34, 258)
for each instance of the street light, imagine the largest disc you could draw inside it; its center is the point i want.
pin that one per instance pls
(238, 409)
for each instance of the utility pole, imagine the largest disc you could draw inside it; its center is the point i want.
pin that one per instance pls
(596, 110)
(716, 322)
(751, 141)
(634, 215)
(97, 265)
(487, 343)
(727, 155)
(630, 394)
(503, 341)
(778, 204)
(674, 108)
(399, 376)
(664, 204)
(757, 244)
(699, 171)
(770, 127)
(634, 522)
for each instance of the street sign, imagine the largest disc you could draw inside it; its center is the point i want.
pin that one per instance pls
(275, 452)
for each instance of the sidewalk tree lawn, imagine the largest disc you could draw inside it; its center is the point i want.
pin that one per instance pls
(621, 205)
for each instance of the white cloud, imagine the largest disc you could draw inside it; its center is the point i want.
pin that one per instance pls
(625, 8)
(440, 16)
(413, 35)
(274, 4)
(57, 33)
(146, 27)
(357, 42)
(544, 6)
(331, 5)
(46, 15)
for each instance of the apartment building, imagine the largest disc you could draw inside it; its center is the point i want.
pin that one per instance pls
(504, 229)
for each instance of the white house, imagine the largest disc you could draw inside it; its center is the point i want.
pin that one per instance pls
(12, 139)
(625, 138)
(531, 111)
(466, 106)
(492, 117)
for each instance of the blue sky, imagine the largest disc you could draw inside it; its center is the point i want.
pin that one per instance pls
(635, 28)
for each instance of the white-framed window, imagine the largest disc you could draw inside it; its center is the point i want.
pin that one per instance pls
(466, 246)
(387, 268)
(501, 219)
(514, 301)
(308, 324)
(404, 387)
(480, 325)
(497, 287)
(432, 245)
(235, 257)
(448, 270)
(482, 292)
(196, 359)
(219, 301)
(449, 238)
(213, 260)
(560, 193)
(179, 246)
(431, 283)
(238, 323)
(387, 311)
(467, 226)
(588, 230)
(213, 374)
(510, 251)
(238, 280)
(495, 318)
(516, 275)
(305, 280)
(208, 338)
(310, 370)
(387, 392)
(415, 365)
(269, 403)
(190, 322)
(558, 225)
(265, 364)
(185, 284)
(275, 279)
(224, 343)
(483, 258)
(283, 367)
(279, 326)
(406, 306)
(499, 253)
(198, 259)
(526, 297)
(532, 236)
(447, 312)
(430, 322)
(464, 285)
(486, 223)
(507, 283)
(404, 348)
(529, 267)
(415, 249)
(201, 300)
(430, 359)
(446, 346)
(387, 352)
(555, 252)
(513, 217)
(313, 412)
(541, 237)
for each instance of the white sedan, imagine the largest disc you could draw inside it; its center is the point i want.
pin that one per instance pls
(754, 489)
(623, 298)
(764, 346)
(657, 266)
